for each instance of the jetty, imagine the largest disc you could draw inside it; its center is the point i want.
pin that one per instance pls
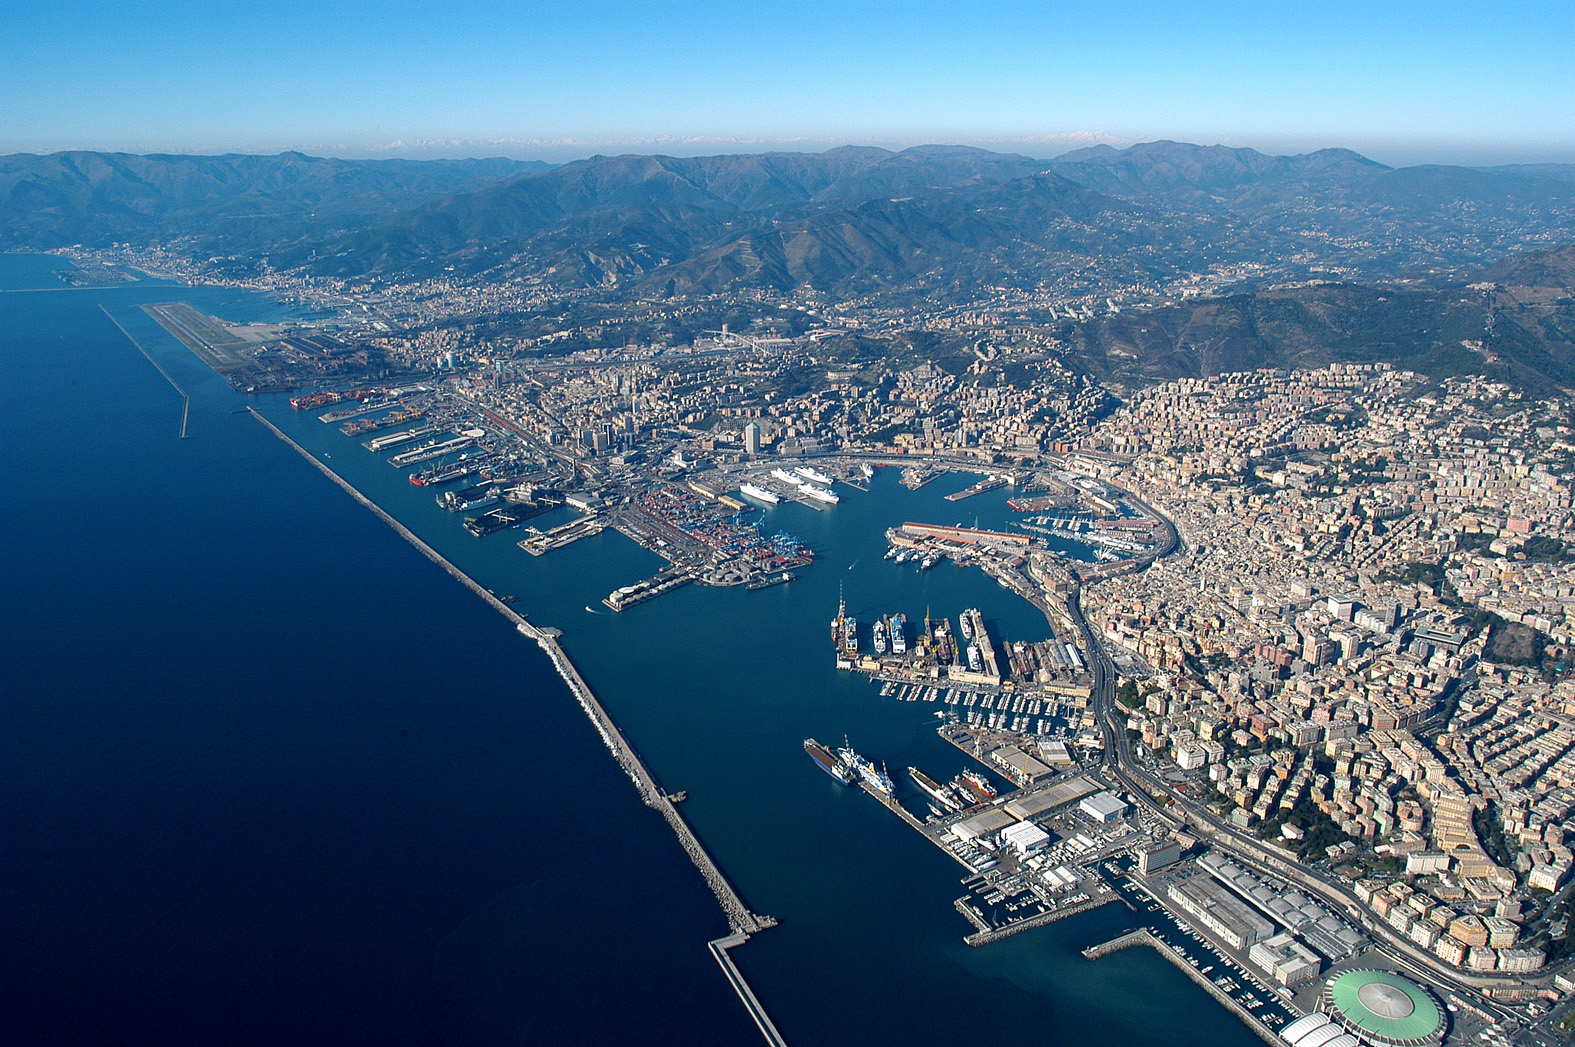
(185, 411)
(1144, 937)
(738, 914)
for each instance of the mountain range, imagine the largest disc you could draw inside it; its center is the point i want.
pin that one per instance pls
(946, 221)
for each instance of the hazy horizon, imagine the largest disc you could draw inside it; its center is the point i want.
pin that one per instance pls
(1410, 83)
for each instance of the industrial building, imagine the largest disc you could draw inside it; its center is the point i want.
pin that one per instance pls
(1285, 959)
(1211, 904)
(1103, 806)
(1025, 838)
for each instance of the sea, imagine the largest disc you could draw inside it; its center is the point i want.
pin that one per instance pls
(270, 776)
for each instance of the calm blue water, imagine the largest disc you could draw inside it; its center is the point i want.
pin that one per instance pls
(270, 776)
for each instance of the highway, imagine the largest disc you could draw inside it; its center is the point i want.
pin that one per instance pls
(1121, 765)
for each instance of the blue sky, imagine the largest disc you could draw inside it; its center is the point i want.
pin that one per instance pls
(1399, 81)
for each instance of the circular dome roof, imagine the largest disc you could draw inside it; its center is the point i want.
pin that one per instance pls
(1386, 1001)
(1384, 1008)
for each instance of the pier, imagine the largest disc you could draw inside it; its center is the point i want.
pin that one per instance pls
(546, 541)
(185, 411)
(664, 581)
(1143, 936)
(987, 934)
(735, 978)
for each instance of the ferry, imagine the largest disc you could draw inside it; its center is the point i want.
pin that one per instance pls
(759, 493)
(809, 474)
(820, 494)
(787, 477)
(873, 776)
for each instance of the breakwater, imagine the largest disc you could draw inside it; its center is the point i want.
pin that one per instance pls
(987, 934)
(741, 920)
(1143, 936)
(185, 411)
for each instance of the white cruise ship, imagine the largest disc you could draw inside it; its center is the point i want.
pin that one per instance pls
(820, 494)
(809, 474)
(759, 492)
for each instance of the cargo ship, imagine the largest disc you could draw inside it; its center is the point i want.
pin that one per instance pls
(364, 407)
(759, 492)
(829, 762)
(940, 792)
(465, 465)
(401, 416)
(769, 580)
(328, 397)
(482, 496)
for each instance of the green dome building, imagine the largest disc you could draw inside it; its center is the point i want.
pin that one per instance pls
(1384, 1009)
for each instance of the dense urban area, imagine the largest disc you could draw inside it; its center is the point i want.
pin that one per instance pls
(1306, 705)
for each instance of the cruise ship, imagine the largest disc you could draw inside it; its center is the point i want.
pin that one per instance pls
(829, 762)
(899, 639)
(759, 492)
(820, 494)
(809, 474)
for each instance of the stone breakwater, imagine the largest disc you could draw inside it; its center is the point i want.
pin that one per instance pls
(739, 918)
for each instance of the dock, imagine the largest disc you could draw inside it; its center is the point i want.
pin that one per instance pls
(664, 581)
(543, 542)
(1144, 937)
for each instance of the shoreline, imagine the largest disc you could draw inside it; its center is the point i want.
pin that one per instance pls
(742, 922)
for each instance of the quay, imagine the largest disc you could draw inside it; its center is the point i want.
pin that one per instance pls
(544, 542)
(742, 922)
(1143, 936)
(185, 411)
(664, 581)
